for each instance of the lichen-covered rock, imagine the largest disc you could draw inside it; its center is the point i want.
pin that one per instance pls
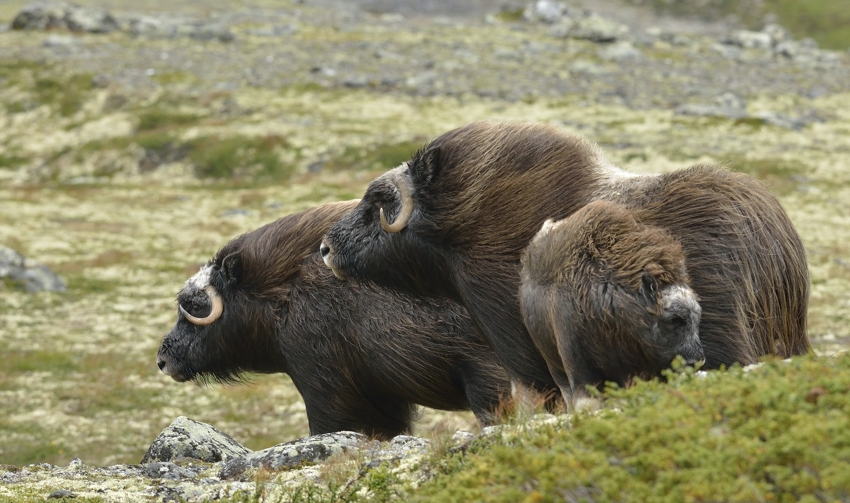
(28, 274)
(64, 15)
(186, 438)
(295, 453)
(598, 29)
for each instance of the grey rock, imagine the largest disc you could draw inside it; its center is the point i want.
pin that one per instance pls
(28, 274)
(61, 493)
(747, 39)
(777, 33)
(64, 15)
(728, 105)
(168, 471)
(294, 454)
(54, 40)
(562, 28)
(171, 28)
(620, 51)
(186, 438)
(545, 11)
(781, 120)
(599, 29)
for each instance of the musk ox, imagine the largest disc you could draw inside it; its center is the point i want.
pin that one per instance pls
(455, 219)
(360, 355)
(608, 298)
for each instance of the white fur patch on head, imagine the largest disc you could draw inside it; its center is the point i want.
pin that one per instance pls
(681, 294)
(548, 226)
(201, 279)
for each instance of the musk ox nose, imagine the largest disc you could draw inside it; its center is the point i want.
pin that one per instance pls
(161, 364)
(324, 249)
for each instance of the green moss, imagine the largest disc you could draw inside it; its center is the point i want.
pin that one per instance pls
(158, 118)
(34, 361)
(777, 173)
(239, 157)
(510, 15)
(25, 443)
(173, 78)
(377, 157)
(67, 93)
(11, 161)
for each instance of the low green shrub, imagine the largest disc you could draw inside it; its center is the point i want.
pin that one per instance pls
(780, 433)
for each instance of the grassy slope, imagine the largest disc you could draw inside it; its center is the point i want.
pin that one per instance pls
(778, 433)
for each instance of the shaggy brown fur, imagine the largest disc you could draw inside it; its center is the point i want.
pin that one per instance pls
(482, 191)
(360, 355)
(607, 299)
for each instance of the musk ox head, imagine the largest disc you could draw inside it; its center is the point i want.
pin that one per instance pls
(212, 312)
(382, 238)
(472, 195)
(616, 289)
(229, 313)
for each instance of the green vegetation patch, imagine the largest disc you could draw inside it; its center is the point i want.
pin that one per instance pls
(827, 21)
(240, 157)
(779, 174)
(158, 119)
(68, 93)
(377, 157)
(780, 433)
(24, 443)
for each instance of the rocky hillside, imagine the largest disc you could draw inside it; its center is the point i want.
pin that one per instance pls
(136, 138)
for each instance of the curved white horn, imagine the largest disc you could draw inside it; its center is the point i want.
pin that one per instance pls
(406, 208)
(215, 312)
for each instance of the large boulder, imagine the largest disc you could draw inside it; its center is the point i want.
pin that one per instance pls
(187, 438)
(28, 274)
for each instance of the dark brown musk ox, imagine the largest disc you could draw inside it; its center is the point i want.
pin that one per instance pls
(361, 356)
(455, 219)
(608, 298)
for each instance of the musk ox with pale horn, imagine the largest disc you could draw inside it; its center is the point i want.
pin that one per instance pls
(608, 298)
(460, 213)
(361, 356)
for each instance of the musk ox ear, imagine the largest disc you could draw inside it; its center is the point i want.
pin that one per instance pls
(425, 166)
(231, 268)
(649, 287)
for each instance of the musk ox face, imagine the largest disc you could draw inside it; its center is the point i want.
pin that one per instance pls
(210, 309)
(381, 239)
(674, 317)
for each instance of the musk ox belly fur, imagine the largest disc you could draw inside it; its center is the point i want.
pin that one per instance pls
(607, 298)
(361, 356)
(455, 219)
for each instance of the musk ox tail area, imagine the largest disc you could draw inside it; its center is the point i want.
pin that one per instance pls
(747, 262)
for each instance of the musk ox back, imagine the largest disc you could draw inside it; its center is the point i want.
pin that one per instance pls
(455, 219)
(360, 355)
(607, 298)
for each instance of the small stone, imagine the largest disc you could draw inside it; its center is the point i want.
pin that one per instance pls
(61, 493)
(747, 39)
(598, 29)
(620, 51)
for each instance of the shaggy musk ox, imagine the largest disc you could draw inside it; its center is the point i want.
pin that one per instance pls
(360, 355)
(455, 219)
(608, 298)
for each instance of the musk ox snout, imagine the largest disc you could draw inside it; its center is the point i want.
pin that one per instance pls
(328, 257)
